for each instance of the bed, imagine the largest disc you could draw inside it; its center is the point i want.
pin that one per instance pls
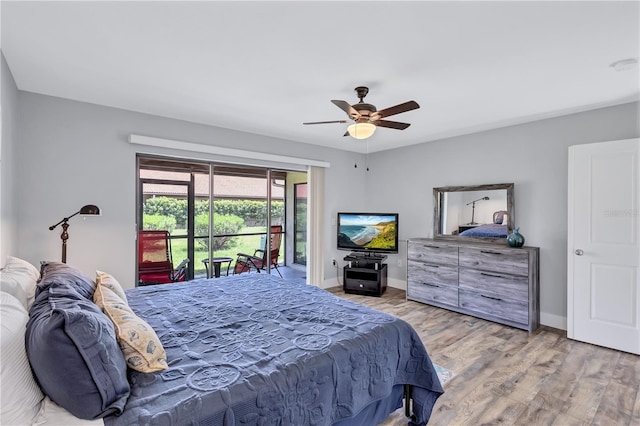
(497, 229)
(247, 349)
(488, 230)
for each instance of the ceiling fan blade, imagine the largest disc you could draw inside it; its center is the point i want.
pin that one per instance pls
(326, 122)
(344, 105)
(391, 124)
(387, 112)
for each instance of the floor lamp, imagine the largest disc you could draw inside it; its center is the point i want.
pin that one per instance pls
(473, 209)
(88, 210)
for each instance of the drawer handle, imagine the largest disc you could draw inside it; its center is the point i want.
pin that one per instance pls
(431, 285)
(491, 275)
(489, 297)
(489, 252)
(431, 266)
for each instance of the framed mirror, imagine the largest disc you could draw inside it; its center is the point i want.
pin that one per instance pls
(474, 213)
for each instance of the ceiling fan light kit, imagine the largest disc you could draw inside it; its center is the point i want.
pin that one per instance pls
(361, 130)
(367, 117)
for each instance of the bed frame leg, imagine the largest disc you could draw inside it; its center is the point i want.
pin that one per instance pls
(407, 400)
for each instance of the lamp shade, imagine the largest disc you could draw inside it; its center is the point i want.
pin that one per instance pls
(89, 210)
(361, 130)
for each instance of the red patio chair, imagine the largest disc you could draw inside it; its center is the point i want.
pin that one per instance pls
(155, 263)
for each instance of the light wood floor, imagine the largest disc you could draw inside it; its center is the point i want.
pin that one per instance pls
(508, 376)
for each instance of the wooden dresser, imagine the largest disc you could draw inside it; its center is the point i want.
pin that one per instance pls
(493, 282)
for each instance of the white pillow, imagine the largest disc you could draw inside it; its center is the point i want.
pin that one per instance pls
(19, 278)
(21, 396)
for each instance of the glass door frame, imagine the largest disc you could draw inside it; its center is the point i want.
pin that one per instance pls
(296, 224)
(190, 214)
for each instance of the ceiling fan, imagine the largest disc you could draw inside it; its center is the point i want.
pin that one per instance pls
(366, 117)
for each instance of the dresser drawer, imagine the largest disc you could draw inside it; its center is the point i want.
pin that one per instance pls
(510, 286)
(495, 282)
(433, 253)
(433, 293)
(427, 272)
(503, 260)
(494, 305)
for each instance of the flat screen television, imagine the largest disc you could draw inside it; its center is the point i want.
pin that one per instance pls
(368, 232)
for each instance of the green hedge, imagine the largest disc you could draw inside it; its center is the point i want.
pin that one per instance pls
(253, 212)
(222, 224)
(166, 206)
(156, 222)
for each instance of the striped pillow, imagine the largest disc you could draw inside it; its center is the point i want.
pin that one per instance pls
(21, 396)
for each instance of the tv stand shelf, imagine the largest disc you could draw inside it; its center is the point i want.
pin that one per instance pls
(364, 259)
(365, 275)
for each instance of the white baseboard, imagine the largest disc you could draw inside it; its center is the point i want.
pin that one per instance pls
(552, 320)
(331, 282)
(396, 283)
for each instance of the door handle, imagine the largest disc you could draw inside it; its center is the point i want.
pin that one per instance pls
(579, 252)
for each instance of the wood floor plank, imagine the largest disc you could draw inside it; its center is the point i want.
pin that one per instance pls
(526, 385)
(507, 376)
(584, 399)
(627, 371)
(616, 406)
(538, 416)
(502, 411)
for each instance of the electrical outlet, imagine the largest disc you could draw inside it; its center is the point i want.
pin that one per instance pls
(333, 262)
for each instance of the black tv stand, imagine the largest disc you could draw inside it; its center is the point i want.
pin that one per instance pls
(365, 274)
(364, 258)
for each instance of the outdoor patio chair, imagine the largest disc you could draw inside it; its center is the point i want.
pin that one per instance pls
(259, 261)
(155, 263)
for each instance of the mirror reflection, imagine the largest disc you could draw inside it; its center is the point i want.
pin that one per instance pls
(480, 211)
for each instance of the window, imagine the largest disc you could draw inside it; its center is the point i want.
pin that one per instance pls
(212, 210)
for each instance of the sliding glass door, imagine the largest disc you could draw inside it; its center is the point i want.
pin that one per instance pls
(240, 199)
(170, 198)
(300, 223)
(213, 210)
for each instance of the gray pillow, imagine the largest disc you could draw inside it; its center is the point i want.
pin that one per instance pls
(74, 353)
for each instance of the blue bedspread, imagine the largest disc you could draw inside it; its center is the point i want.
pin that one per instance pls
(256, 349)
(492, 230)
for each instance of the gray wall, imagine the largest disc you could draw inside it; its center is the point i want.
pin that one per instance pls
(75, 153)
(72, 153)
(8, 161)
(534, 156)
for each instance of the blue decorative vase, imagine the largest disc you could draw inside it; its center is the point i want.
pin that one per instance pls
(515, 239)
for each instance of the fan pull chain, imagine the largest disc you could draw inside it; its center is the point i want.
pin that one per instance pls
(367, 159)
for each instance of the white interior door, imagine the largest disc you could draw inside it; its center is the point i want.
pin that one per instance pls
(603, 244)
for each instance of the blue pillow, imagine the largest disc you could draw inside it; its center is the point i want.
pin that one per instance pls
(62, 273)
(73, 352)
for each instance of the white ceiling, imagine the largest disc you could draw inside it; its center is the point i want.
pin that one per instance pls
(266, 67)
